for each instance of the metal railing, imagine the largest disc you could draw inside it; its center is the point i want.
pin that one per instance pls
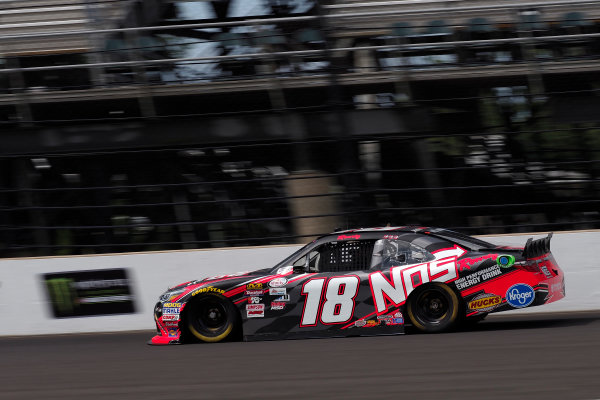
(517, 169)
(549, 190)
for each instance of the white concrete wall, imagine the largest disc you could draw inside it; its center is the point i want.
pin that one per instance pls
(577, 253)
(26, 310)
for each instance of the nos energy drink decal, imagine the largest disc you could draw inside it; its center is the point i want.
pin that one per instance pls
(87, 293)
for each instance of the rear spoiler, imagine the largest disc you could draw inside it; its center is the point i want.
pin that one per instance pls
(538, 247)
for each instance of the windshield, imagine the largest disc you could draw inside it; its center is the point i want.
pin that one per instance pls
(290, 259)
(464, 240)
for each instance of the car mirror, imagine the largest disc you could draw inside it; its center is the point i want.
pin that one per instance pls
(299, 269)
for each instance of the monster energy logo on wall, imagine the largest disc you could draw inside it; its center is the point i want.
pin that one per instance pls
(86, 293)
(62, 295)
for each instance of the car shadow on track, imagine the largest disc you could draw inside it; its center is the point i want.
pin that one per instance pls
(538, 321)
(527, 321)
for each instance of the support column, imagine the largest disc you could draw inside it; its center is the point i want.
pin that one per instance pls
(364, 62)
(183, 214)
(24, 181)
(313, 183)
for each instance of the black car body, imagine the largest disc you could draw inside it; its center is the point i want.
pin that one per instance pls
(363, 282)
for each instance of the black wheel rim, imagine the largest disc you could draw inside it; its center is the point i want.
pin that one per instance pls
(209, 317)
(432, 306)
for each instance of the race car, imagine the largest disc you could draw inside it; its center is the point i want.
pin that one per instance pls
(363, 282)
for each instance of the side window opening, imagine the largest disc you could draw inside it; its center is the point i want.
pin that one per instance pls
(390, 253)
(310, 261)
(339, 257)
(352, 255)
(361, 255)
(314, 258)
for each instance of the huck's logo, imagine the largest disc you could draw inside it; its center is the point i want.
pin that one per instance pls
(485, 302)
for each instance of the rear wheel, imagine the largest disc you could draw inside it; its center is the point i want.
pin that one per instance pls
(211, 319)
(433, 308)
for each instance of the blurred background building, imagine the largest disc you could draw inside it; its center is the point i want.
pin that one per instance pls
(134, 125)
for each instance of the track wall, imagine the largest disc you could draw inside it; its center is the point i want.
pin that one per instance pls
(24, 295)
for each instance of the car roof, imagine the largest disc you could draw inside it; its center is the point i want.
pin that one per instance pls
(405, 228)
(408, 233)
(432, 234)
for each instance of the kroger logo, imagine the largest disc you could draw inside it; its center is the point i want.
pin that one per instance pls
(520, 295)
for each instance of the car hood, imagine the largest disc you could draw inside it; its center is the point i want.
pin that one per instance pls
(218, 284)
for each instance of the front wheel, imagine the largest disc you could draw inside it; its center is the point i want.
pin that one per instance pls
(433, 308)
(211, 319)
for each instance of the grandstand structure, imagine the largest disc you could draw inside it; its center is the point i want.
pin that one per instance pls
(154, 124)
(25, 21)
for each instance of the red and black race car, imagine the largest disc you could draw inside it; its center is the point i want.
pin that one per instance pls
(363, 282)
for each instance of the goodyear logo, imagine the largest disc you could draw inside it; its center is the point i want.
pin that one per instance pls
(485, 302)
(172, 305)
(254, 286)
(209, 289)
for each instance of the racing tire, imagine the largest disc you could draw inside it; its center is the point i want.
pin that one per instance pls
(433, 308)
(211, 319)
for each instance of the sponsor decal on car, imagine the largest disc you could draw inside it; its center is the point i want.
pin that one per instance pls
(255, 310)
(170, 310)
(346, 237)
(468, 263)
(175, 305)
(254, 286)
(478, 277)
(485, 302)
(283, 298)
(520, 295)
(254, 292)
(278, 305)
(404, 279)
(284, 270)
(170, 317)
(391, 319)
(546, 272)
(170, 323)
(372, 322)
(505, 261)
(254, 300)
(172, 332)
(278, 282)
(277, 291)
(209, 289)
(360, 323)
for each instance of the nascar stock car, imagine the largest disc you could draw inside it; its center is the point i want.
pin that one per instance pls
(363, 282)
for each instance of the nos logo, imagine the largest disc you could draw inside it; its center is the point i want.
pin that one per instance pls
(520, 295)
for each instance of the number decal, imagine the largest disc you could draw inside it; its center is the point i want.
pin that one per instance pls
(312, 290)
(338, 304)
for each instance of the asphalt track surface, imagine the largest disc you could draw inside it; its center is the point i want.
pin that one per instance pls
(547, 356)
